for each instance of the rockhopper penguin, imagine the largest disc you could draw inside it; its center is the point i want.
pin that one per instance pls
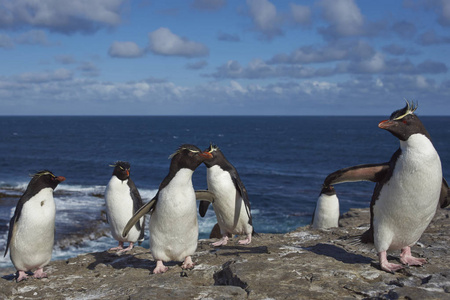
(122, 202)
(231, 205)
(408, 191)
(32, 228)
(173, 219)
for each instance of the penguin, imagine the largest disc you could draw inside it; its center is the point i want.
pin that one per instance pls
(409, 188)
(231, 205)
(32, 228)
(326, 214)
(122, 201)
(173, 211)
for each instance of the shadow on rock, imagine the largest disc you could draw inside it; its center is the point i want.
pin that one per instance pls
(236, 250)
(120, 262)
(339, 254)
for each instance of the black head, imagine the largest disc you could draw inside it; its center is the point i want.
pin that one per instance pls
(217, 155)
(188, 156)
(403, 123)
(44, 179)
(121, 170)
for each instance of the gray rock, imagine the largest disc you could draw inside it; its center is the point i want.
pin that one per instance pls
(303, 264)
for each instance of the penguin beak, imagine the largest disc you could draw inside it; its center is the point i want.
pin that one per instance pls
(128, 173)
(385, 124)
(60, 178)
(206, 155)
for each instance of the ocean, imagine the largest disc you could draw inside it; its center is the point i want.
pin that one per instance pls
(282, 161)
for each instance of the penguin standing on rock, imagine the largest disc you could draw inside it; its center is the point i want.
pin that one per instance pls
(32, 228)
(173, 219)
(231, 205)
(326, 214)
(122, 201)
(408, 191)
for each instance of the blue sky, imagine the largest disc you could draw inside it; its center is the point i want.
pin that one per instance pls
(223, 57)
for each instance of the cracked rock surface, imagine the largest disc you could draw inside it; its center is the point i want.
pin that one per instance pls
(303, 264)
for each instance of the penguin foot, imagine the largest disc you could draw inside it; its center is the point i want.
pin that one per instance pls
(40, 274)
(160, 268)
(387, 266)
(247, 241)
(120, 247)
(222, 242)
(188, 263)
(21, 276)
(126, 249)
(407, 259)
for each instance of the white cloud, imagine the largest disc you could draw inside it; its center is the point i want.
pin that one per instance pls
(35, 77)
(164, 42)
(125, 50)
(344, 17)
(265, 18)
(66, 16)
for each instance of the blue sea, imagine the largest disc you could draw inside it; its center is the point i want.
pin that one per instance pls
(282, 161)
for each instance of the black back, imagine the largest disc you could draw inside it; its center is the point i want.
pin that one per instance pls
(41, 180)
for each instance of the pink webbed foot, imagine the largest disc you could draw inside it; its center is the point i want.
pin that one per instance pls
(407, 259)
(188, 263)
(126, 249)
(247, 241)
(21, 276)
(387, 266)
(222, 242)
(40, 274)
(160, 268)
(120, 247)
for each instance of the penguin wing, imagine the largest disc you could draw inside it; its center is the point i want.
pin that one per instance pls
(12, 223)
(139, 214)
(205, 197)
(368, 172)
(243, 192)
(25, 197)
(444, 200)
(137, 204)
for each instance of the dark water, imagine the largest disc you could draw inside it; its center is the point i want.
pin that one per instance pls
(281, 160)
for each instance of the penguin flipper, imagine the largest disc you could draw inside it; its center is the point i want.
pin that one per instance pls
(139, 214)
(12, 223)
(243, 192)
(368, 172)
(205, 195)
(444, 199)
(137, 204)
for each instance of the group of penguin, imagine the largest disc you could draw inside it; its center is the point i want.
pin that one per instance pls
(409, 188)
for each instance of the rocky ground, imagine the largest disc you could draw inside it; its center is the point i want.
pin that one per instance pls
(303, 264)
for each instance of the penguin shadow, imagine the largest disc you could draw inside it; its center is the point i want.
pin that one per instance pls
(230, 250)
(339, 254)
(122, 261)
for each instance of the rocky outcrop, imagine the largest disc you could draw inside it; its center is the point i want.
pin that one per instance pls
(303, 264)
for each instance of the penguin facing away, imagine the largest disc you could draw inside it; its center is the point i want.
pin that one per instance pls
(326, 213)
(231, 205)
(173, 219)
(122, 201)
(32, 228)
(408, 189)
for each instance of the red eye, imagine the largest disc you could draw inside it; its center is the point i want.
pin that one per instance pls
(404, 121)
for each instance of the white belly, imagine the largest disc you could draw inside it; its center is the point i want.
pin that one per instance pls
(229, 206)
(326, 214)
(119, 210)
(407, 204)
(33, 235)
(173, 223)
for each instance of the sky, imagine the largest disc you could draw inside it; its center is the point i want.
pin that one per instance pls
(223, 57)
